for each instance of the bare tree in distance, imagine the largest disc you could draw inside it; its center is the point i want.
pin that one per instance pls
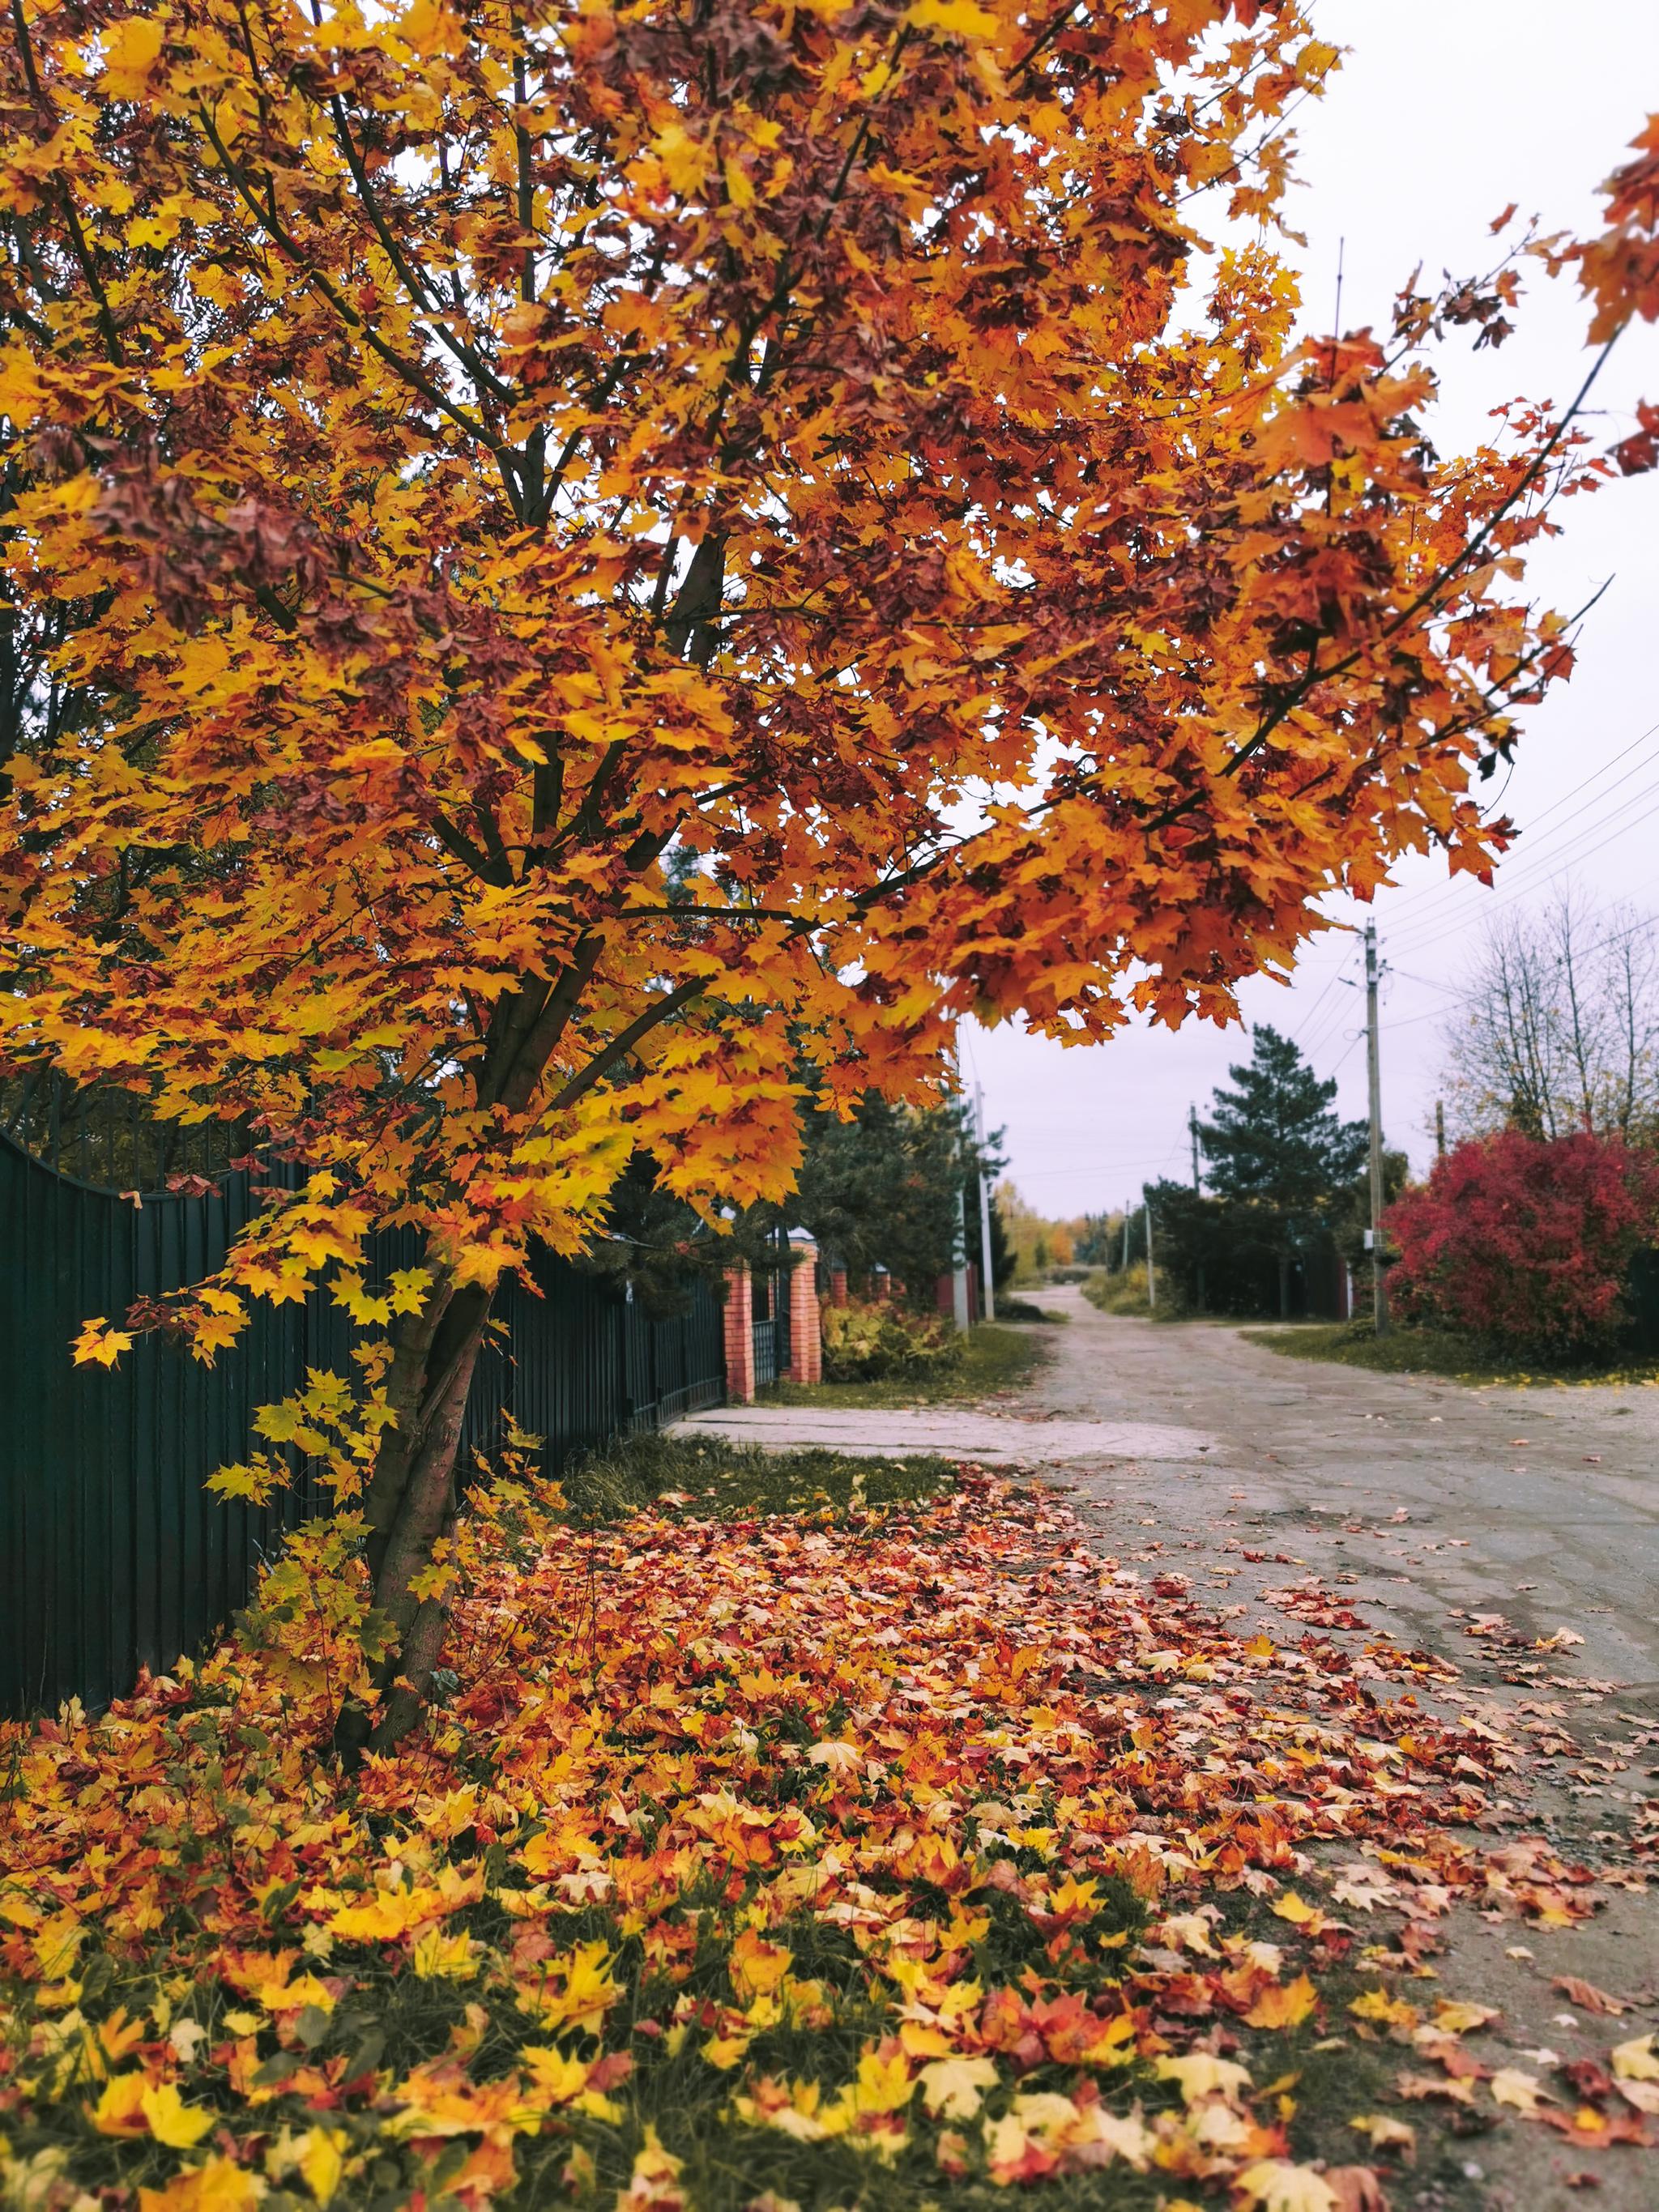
(1559, 1029)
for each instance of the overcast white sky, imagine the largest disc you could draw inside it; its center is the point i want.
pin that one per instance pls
(1445, 111)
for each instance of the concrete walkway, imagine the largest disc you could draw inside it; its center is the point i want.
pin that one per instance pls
(993, 1439)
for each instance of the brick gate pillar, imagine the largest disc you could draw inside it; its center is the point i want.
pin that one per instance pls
(740, 1322)
(806, 1333)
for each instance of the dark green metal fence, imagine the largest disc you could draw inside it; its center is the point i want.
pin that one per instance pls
(113, 1554)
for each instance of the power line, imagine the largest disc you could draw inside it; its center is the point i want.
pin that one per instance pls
(1442, 893)
(1307, 1022)
(1426, 926)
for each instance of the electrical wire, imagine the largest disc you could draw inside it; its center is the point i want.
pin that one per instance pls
(1308, 1020)
(1441, 893)
(1527, 881)
(1333, 1024)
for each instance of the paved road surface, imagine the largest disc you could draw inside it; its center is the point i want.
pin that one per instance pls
(1433, 1507)
(1541, 1505)
(994, 1437)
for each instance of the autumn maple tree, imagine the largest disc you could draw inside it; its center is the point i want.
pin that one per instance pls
(468, 464)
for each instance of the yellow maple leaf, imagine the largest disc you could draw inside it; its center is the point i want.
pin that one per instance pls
(756, 1966)
(221, 2186)
(1386, 2134)
(961, 18)
(1199, 2074)
(120, 2110)
(57, 1943)
(554, 2077)
(1299, 1912)
(390, 1913)
(1378, 2005)
(99, 1342)
(1283, 2004)
(951, 2087)
(1509, 2086)
(1276, 2186)
(322, 2161)
(884, 2082)
(1635, 2061)
(574, 1990)
(131, 49)
(178, 2125)
(438, 1957)
(1461, 2018)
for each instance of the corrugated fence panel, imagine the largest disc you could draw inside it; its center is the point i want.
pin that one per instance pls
(113, 1554)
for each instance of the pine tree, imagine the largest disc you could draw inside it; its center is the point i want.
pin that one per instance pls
(1274, 1138)
(1280, 1162)
(893, 1187)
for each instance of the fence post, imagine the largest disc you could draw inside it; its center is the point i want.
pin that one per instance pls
(806, 1338)
(739, 1338)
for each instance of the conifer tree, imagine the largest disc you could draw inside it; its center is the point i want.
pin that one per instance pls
(1274, 1137)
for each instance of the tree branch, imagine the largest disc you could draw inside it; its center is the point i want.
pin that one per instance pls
(269, 220)
(625, 1041)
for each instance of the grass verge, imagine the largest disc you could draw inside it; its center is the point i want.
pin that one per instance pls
(992, 1359)
(1434, 1352)
(703, 1472)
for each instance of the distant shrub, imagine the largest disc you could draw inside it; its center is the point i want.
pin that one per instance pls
(1524, 1242)
(866, 1343)
(1022, 1309)
(1125, 1292)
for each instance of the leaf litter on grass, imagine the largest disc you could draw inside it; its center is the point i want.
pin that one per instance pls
(844, 1857)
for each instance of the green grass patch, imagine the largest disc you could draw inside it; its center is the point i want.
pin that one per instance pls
(994, 1358)
(1433, 1351)
(731, 1481)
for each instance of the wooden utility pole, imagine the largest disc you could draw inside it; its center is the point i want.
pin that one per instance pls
(1374, 1066)
(1151, 1291)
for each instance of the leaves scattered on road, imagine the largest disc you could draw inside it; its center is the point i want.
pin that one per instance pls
(756, 1857)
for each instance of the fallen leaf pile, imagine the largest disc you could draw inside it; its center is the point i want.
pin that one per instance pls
(748, 1853)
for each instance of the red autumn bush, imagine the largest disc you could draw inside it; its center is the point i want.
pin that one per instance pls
(1525, 1243)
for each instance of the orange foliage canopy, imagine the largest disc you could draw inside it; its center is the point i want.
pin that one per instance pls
(1619, 270)
(469, 467)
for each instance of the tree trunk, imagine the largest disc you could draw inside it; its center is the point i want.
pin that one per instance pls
(412, 1501)
(1283, 1286)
